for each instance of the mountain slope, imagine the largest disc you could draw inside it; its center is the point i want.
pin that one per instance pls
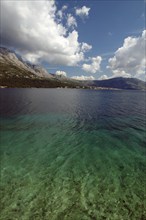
(119, 83)
(14, 72)
(11, 64)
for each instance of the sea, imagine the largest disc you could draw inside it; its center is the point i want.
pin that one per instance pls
(72, 154)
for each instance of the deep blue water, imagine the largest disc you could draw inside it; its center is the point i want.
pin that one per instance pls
(73, 154)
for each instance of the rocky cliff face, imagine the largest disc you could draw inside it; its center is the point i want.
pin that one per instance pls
(12, 64)
(15, 72)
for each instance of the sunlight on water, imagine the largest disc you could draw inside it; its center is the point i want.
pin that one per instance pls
(81, 160)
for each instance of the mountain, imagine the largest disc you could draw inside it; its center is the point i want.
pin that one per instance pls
(120, 83)
(15, 72)
(12, 64)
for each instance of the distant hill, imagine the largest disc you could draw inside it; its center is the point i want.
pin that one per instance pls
(120, 83)
(15, 72)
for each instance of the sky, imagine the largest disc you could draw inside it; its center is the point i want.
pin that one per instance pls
(82, 39)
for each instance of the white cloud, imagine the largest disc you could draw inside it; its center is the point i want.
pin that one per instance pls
(71, 21)
(60, 13)
(129, 60)
(103, 77)
(94, 66)
(82, 12)
(122, 73)
(83, 77)
(61, 73)
(32, 29)
(64, 7)
(85, 47)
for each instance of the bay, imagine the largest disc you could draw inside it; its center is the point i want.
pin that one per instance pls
(72, 154)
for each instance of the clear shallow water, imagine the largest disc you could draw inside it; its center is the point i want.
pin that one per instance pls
(72, 154)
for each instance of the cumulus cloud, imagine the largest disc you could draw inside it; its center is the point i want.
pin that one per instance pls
(94, 66)
(129, 60)
(71, 21)
(61, 73)
(60, 13)
(83, 77)
(103, 77)
(85, 47)
(64, 7)
(32, 29)
(82, 12)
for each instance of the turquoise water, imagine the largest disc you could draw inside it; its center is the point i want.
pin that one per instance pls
(72, 154)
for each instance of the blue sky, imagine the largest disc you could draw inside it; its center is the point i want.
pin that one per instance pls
(108, 24)
(103, 25)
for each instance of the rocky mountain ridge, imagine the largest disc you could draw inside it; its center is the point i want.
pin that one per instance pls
(10, 58)
(15, 72)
